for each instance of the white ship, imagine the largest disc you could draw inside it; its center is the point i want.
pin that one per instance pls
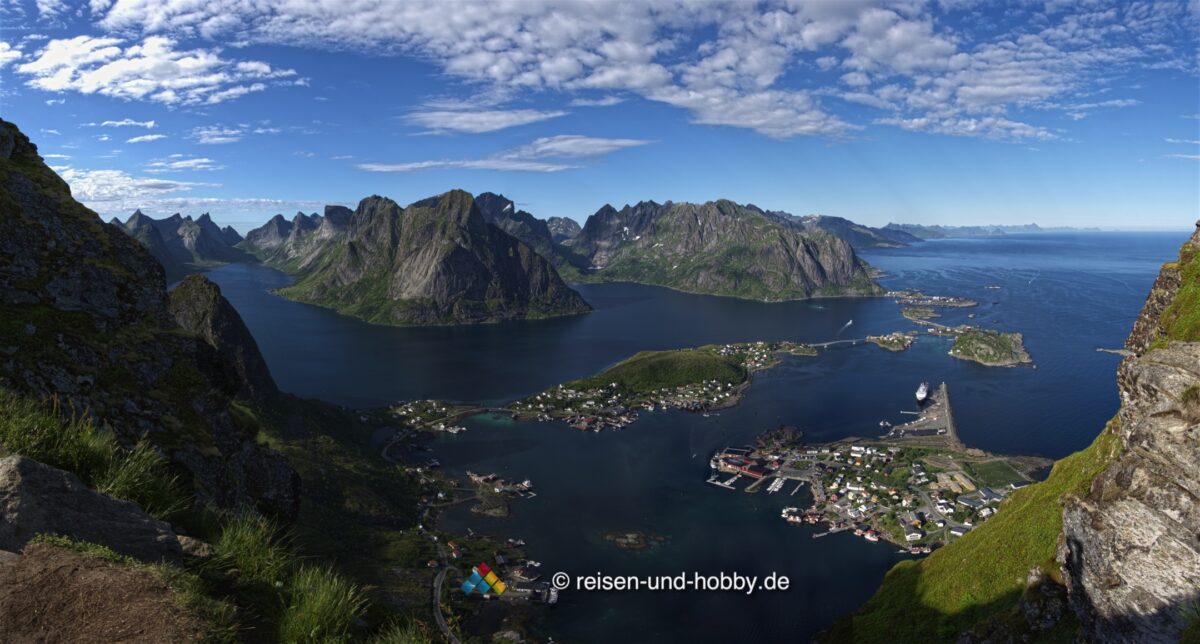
(923, 392)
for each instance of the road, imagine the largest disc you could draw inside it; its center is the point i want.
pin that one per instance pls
(437, 596)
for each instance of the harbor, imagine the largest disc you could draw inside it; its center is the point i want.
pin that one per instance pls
(917, 486)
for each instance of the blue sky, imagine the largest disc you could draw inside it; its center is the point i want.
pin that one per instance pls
(1083, 113)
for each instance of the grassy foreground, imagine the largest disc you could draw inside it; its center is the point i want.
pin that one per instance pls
(981, 576)
(258, 584)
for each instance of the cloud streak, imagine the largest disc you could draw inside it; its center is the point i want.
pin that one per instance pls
(527, 158)
(477, 121)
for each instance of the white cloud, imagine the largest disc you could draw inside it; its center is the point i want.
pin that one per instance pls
(526, 158)
(56, 156)
(51, 132)
(55, 101)
(995, 127)
(572, 146)
(8, 54)
(149, 125)
(1191, 157)
(51, 9)
(146, 138)
(181, 163)
(115, 190)
(153, 70)
(478, 120)
(502, 165)
(606, 101)
(218, 134)
(1183, 141)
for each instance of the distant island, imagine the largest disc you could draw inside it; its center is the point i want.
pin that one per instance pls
(719, 248)
(923, 232)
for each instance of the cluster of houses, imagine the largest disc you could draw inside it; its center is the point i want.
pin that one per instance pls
(498, 485)
(611, 407)
(885, 492)
(426, 413)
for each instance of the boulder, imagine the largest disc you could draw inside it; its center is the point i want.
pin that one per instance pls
(36, 498)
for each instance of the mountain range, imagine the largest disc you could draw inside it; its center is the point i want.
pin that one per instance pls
(181, 244)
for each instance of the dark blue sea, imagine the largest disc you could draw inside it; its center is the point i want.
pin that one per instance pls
(1068, 293)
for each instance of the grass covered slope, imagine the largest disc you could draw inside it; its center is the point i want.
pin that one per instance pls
(1181, 320)
(651, 370)
(982, 575)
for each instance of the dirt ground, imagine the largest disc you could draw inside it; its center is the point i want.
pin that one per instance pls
(49, 594)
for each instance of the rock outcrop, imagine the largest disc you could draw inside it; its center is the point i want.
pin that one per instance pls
(1130, 549)
(39, 499)
(85, 318)
(719, 248)
(438, 261)
(198, 307)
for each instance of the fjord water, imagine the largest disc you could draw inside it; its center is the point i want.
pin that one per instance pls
(1068, 293)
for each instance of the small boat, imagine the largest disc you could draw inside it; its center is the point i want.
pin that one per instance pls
(923, 392)
(884, 423)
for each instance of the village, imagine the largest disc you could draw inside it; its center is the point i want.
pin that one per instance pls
(599, 403)
(912, 297)
(917, 487)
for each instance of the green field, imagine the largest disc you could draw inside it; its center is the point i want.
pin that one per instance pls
(994, 473)
(651, 370)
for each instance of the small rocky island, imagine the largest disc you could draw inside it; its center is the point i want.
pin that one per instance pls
(635, 540)
(991, 348)
(895, 341)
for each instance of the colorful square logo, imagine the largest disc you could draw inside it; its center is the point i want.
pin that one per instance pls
(483, 580)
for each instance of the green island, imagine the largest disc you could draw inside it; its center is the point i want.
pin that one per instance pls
(895, 341)
(699, 379)
(917, 313)
(991, 348)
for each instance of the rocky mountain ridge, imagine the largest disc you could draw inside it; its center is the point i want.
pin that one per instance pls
(182, 244)
(719, 248)
(437, 261)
